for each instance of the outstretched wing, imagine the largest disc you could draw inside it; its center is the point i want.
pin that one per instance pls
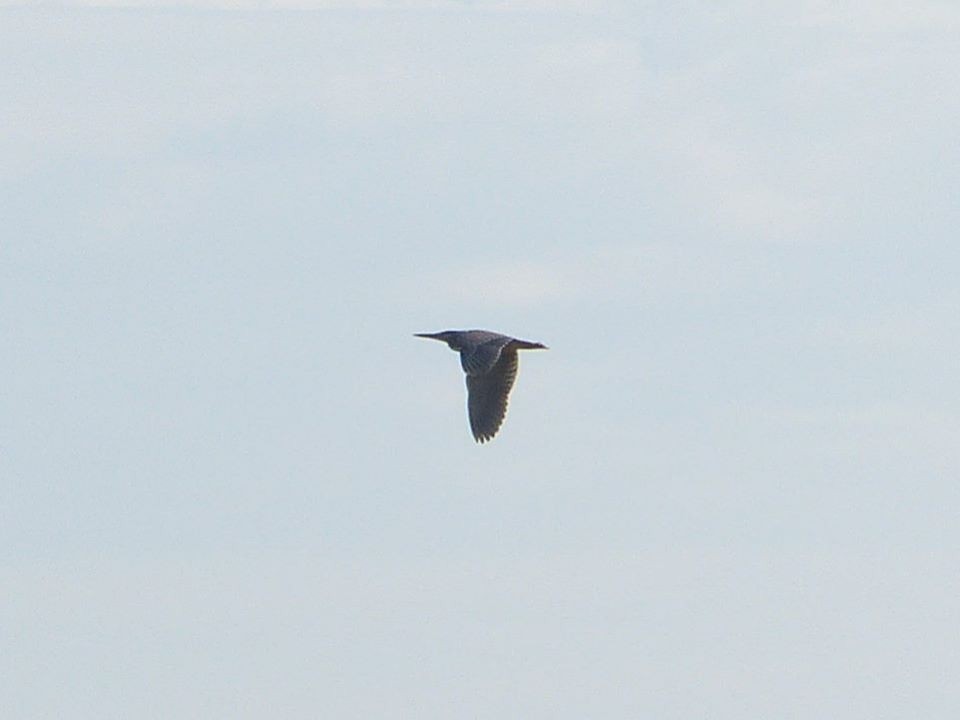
(487, 395)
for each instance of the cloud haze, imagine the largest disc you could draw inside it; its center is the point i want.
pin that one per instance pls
(235, 485)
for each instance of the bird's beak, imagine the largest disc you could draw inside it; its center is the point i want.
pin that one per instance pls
(432, 336)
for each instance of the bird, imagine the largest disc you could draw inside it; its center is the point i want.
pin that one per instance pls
(489, 360)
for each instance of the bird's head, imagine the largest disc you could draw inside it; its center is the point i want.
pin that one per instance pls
(450, 337)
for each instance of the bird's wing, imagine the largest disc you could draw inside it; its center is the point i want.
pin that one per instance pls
(487, 395)
(481, 359)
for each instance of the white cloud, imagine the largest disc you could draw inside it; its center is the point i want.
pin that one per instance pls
(651, 269)
(387, 5)
(919, 327)
(882, 16)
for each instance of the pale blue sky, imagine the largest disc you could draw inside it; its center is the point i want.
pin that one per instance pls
(234, 486)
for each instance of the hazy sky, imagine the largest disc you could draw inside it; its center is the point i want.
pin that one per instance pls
(233, 485)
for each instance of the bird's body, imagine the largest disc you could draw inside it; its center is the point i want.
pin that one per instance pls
(489, 360)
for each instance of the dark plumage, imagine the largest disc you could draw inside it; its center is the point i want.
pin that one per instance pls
(490, 363)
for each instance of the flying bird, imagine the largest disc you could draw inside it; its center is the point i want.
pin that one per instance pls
(490, 361)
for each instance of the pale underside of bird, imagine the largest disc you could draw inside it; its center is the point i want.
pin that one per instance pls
(489, 360)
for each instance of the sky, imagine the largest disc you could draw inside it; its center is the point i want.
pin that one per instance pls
(233, 485)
